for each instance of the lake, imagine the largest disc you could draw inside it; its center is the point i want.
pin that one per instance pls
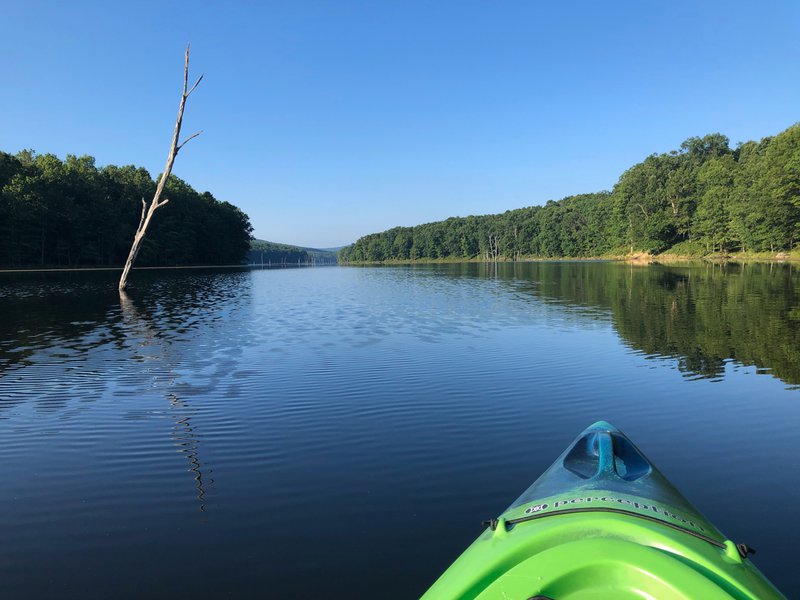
(341, 432)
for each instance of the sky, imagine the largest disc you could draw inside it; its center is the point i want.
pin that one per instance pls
(325, 121)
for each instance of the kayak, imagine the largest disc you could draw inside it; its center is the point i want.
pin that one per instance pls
(602, 523)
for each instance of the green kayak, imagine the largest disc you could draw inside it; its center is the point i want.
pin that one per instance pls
(602, 523)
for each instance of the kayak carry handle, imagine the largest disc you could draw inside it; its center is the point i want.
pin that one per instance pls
(606, 455)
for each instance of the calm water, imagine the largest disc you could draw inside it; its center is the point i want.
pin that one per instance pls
(342, 432)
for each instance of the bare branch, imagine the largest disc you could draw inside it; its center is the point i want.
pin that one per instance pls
(144, 210)
(186, 70)
(162, 202)
(183, 143)
(196, 83)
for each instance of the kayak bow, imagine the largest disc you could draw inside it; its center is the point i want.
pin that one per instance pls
(602, 522)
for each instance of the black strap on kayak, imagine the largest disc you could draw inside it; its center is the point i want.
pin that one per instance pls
(621, 511)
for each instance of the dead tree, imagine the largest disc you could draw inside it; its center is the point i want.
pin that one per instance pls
(157, 202)
(494, 247)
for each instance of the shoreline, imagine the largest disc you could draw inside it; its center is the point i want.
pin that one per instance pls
(119, 269)
(636, 258)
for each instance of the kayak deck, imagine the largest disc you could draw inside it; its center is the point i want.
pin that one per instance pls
(598, 555)
(602, 522)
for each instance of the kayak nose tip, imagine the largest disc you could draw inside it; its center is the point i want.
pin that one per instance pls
(601, 426)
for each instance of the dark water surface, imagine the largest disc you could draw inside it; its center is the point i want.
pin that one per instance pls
(341, 432)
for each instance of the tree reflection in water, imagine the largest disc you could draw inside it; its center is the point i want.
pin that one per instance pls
(184, 435)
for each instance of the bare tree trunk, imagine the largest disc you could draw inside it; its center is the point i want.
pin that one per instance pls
(494, 247)
(156, 202)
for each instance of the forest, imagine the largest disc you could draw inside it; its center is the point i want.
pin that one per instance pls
(71, 213)
(705, 198)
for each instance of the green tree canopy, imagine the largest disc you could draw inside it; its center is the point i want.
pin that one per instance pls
(71, 213)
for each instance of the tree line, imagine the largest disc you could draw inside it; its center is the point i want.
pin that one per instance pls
(704, 198)
(71, 213)
(263, 252)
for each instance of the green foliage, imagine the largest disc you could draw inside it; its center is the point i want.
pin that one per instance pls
(71, 213)
(687, 248)
(574, 226)
(705, 198)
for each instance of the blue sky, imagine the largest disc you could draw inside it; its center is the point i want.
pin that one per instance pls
(328, 120)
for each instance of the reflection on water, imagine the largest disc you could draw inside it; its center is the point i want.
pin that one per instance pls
(140, 328)
(702, 315)
(189, 443)
(326, 431)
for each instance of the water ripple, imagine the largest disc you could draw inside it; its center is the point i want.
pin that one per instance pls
(228, 432)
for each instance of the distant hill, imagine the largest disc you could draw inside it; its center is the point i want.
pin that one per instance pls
(264, 252)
